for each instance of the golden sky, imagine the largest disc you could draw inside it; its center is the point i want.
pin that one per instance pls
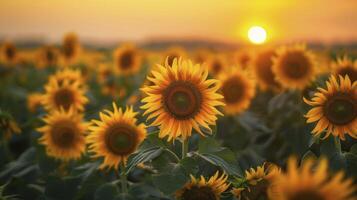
(107, 20)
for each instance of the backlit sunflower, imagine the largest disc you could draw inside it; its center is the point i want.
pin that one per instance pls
(335, 108)
(34, 101)
(127, 60)
(310, 183)
(262, 64)
(294, 66)
(9, 53)
(181, 97)
(258, 182)
(202, 189)
(116, 136)
(172, 53)
(70, 47)
(217, 64)
(345, 66)
(48, 56)
(63, 134)
(64, 95)
(238, 90)
(242, 58)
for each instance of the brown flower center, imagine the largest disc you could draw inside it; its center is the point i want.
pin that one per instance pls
(64, 134)
(350, 71)
(264, 71)
(10, 52)
(126, 60)
(233, 90)
(295, 65)
(216, 67)
(306, 195)
(69, 48)
(201, 193)
(64, 98)
(182, 100)
(120, 139)
(341, 109)
(50, 55)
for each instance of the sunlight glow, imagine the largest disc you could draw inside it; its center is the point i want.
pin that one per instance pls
(257, 35)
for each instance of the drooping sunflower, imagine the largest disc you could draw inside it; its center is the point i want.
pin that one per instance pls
(9, 53)
(116, 136)
(70, 47)
(48, 56)
(127, 60)
(335, 108)
(262, 66)
(238, 90)
(202, 189)
(258, 182)
(174, 52)
(294, 66)
(306, 183)
(181, 97)
(34, 100)
(217, 64)
(64, 134)
(345, 66)
(65, 95)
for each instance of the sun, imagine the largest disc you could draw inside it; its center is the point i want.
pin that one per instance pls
(257, 34)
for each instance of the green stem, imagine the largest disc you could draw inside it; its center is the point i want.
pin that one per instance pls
(184, 148)
(173, 154)
(337, 144)
(123, 180)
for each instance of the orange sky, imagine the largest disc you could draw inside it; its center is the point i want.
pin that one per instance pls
(107, 20)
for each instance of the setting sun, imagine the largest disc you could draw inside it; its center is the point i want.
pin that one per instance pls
(257, 35)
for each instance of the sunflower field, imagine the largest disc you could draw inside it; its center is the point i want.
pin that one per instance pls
(176, 122)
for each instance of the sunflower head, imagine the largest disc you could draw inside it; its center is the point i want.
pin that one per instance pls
(242, 59)
(172, 53)
(48, 56)
(127, 60)
(262, 64)
(8, 126)
(71, 46)
(63, 134)
(202, 189)
(217, 64)
(294, 66)
(345, 66)
(202, 56)
(335, 108)
(116, 136)
(238, 90)
(181, 98)
(9, 52)
(310, 181)
(34, 100)
(64, 95)
(70, 75)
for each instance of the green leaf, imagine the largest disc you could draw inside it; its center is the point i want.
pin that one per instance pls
(106, 191)
(220, 162)
(143, 156)
(170, 182)
(58, 189)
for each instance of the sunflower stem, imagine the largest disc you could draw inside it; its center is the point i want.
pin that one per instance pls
(123, 179)
(337, 144)
(184, 148)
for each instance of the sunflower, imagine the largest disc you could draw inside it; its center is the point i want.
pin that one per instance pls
(201, 56)
(63, 134)
(202, 189)
(70, 75)
(70, 47)
(335, 108)
(104, 73)
(217, 64)
(242, 58)
(48, 56)
(181, 98)
(258, 182)
(8, 126)
(64, 95)
(306, 182)
(262, 66)
(172, 53)
(116, 136)
(238, 90)
(9, 53)
(345, 66)
(34, 100)
(127, 60)
(294, 66)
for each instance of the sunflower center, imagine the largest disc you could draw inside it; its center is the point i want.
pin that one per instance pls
(233, 90)
(64, 98)
(264, 71)
(69, 48)
(126, 60)
(306, 195)
(182, 100)
(201, 193)
(50, 56)
(341, 109)
(10, 52)
(120, 139)
(350, 71)
(296, 65)
(63, 134)
(216, 67)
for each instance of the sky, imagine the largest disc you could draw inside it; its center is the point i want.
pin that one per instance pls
(140, 20)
